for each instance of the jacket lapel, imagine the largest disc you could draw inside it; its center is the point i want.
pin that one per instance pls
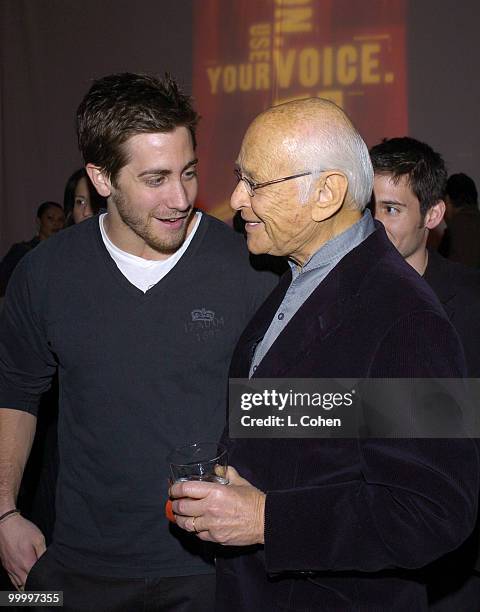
(318, 316)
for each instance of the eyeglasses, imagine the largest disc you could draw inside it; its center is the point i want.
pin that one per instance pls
(250, 186)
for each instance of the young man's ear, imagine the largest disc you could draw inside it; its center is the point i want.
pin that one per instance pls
(434, 215)
(99, 179)
(329, 195)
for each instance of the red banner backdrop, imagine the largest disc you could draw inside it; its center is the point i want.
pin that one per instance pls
(252, 54)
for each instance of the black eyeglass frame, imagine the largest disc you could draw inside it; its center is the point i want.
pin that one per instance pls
(252, 187)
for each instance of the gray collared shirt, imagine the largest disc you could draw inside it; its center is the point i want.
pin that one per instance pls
(307, 279)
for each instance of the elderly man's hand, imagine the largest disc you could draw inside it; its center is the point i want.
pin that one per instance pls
(230, 514)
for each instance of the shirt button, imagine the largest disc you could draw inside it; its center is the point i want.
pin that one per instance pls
(280, 316)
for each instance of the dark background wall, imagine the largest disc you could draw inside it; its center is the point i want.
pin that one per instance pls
(50, 50)
(443, 53)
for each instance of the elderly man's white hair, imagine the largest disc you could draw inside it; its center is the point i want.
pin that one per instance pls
(319, 136)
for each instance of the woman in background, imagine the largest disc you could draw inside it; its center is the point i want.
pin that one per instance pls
(50, 220)
(81, 200)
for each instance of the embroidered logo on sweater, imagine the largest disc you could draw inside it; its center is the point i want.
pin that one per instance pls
(204, 324)
(202, 314)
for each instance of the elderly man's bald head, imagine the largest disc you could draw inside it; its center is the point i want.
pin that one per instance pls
(313, 134)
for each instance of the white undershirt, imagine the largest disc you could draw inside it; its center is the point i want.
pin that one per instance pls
(144, 273)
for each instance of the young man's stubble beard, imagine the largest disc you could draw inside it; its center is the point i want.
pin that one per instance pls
(166, 245)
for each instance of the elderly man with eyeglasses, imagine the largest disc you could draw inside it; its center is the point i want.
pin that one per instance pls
(331, 524)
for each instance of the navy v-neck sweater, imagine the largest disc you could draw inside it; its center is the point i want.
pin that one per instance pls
(138, 373)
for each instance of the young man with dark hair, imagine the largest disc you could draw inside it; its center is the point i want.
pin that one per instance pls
(139, 309)
(409, 186)
(416, 175)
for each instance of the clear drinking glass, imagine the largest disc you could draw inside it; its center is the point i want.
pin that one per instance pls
(204, 461)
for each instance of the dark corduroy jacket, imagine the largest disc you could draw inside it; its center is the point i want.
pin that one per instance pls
(349, 522)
